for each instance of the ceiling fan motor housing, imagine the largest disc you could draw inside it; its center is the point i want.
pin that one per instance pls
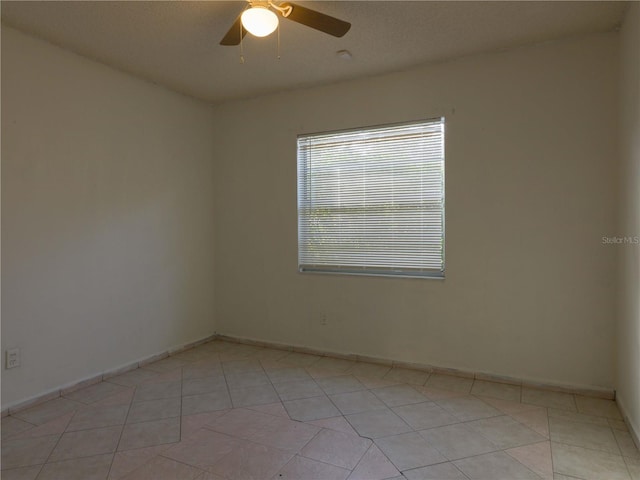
(269, 11)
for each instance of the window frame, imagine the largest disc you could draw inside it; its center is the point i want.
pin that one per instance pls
(395, 272)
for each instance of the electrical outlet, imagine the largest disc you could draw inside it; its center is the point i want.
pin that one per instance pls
(13, 358)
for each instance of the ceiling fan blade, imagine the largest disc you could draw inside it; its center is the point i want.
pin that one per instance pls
(319, 21)
(234, 36)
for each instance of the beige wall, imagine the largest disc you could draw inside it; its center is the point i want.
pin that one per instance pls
(109, 200)
(107, 217)
(628, 371)
(530, 184)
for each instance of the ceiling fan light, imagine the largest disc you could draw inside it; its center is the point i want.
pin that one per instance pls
(259, 21)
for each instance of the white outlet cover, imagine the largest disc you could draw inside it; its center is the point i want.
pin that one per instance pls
(13, 358)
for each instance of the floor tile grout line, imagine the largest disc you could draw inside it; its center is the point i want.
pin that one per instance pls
(336, 431)
(91, 428)
(235, 437)
(626, 464)
(510, 456)
(181, 403)
(315, 460)
(33, 425)
(504, 450)
(162, 454)
(473, 382)
(427, 400)
(56, 445)
(68, 460)
(526, 466)
(608, 427)
(364, 455)
(432, 465)
(226, 382)
(463, 474)
(25, 466)
(135, 389)
(333, 403)
(502, 414)
(386, 436)
(595, 450)
(497, 449)
(499, 414)
(615, 437)
(421, 466)
(299, 451)
(15, 415)
(274, 387)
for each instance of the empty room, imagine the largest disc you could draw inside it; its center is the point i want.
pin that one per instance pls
(321, 240)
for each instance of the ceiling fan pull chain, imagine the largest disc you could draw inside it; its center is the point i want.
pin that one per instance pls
(278, 40)
(241, 48)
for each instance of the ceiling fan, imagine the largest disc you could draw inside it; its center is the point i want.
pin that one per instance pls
(260, 18)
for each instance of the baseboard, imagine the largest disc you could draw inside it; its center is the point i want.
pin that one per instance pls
(85, 382)
(67, 388)
(608, 394)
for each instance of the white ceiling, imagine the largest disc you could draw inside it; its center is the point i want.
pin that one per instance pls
(176, 44)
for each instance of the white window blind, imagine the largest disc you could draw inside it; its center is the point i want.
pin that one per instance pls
(371, 200)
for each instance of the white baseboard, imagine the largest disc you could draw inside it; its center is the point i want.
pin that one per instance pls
(573, 389)
(605, 393)
(85, 382)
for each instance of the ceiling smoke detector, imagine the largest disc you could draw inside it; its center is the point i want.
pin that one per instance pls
(344, 55)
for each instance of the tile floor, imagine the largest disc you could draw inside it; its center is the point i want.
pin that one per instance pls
(237, 412)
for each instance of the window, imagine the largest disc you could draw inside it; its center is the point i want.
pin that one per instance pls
(371, 200)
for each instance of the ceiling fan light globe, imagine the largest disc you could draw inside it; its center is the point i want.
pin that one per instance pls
(259, 21)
